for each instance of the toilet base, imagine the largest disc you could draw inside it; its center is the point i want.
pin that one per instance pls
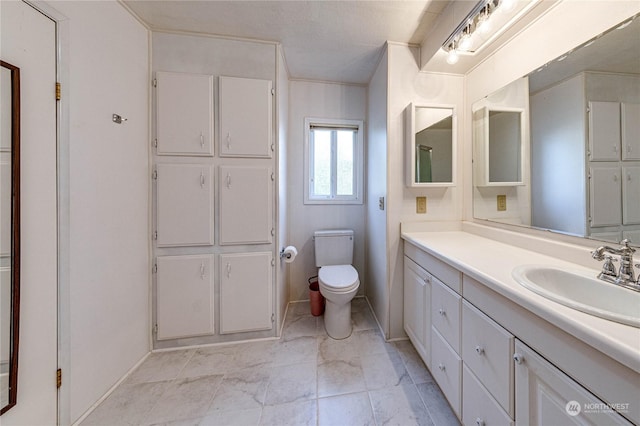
(337, 320)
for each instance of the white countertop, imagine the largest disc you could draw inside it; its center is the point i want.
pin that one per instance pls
(491, 263)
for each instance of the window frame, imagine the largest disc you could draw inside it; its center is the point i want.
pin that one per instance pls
(358, 162)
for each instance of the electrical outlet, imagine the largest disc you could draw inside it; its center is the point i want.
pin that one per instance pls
(502, 203)
(421, 205)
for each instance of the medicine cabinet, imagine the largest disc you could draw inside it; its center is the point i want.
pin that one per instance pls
(430, 138)
(497, 141)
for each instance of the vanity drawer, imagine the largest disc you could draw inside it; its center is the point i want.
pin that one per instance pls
(478, 406)
(441, 270)
(446, 370)
(487, 349)
(445, 313)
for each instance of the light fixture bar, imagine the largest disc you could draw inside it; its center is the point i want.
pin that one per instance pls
(469, 20)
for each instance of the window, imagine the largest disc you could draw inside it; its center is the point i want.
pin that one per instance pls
(333, 161)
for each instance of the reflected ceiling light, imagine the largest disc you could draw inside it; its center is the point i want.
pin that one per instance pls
(474, 32)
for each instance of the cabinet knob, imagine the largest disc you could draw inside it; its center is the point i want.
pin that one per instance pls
(441, 367)
(442, 312)
(479, 350)
(479, 422)
(518, 358)
(427, 280)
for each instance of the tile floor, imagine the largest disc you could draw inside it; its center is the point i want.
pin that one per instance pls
(305, 378)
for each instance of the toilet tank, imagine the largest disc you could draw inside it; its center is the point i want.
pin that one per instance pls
(333, 247)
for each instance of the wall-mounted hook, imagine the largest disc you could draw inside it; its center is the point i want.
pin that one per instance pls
(117, 119)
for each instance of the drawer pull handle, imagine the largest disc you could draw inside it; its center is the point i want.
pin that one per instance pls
(479, 350)
(518, 358)
(427, 280)
(442, 312)
(479, 422)
(441, 367)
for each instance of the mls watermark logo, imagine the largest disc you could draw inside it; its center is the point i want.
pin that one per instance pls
(573, 408)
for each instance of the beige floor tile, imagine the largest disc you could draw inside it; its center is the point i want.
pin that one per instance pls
(351, 409)
(399, 405)
(290, 383)
(292, 414)
(340, 377)
(161, 366)
(384, 370)
(241, 390)
(233, 418)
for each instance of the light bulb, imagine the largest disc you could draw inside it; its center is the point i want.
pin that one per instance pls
(452, 57)
(483, 25)
(507, 5)
(464, 45)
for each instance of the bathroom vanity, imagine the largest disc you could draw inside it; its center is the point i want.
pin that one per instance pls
(501, 353)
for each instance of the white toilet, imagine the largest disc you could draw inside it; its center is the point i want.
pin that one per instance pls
(338, 280)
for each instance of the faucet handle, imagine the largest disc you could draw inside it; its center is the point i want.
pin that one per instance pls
(597, 255)
(626, 246)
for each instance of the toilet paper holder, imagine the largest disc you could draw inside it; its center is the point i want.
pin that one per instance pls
(283, 254)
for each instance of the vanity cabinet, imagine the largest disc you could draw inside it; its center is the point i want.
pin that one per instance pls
(486, 372)
(546, 396)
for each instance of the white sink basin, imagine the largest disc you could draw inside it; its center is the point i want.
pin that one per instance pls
(581, 291)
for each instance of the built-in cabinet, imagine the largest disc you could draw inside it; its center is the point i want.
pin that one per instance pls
(488, 376)
(213, 215)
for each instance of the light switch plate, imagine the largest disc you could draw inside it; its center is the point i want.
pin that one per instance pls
(421, 205)
(502, 203)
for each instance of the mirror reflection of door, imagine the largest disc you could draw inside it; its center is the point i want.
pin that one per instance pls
(424, 154)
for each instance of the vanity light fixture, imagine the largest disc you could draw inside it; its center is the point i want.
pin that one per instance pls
(474, 32)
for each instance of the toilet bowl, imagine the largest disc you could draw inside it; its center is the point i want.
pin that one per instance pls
(338, 284)
(337, 279)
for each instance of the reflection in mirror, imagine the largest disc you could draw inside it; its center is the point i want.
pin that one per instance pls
(429, 146)
(9, 232)
(581, 169)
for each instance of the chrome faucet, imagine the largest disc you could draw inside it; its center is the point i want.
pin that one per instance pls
(625, 275)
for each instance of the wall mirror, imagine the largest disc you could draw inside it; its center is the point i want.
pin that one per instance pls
(9, 232)
(581, 142)
(429, 146)
(498, 138)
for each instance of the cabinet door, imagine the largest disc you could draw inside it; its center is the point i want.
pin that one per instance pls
(478, 406)
(184, 205)
(630, 131)
(445, 312)
(447, 371)
(245, 117)
(184, 104)
(546, 396)
(604, 131)
(245, 292)
(246, 205)
(417, 302)
(631, 195)
(605, 196)
(184, 300)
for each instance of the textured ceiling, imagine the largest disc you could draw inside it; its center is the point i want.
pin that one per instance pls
(322, 40)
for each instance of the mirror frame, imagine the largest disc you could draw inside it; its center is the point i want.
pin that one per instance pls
(15, 235)
(481, 141)
(410, 144)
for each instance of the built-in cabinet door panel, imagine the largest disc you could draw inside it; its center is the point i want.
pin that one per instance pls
(631, 195)
(445, 313)
(487, 349)
(184, 114)
(184, 300)
(245, 117)
(630, 131)
(184, 205)
(245, 292)
(447, 370)
(604, 131)
(417, 296)
(478, 406)
(246, 205)
(5, 201)
(546, 396)
(605, 195)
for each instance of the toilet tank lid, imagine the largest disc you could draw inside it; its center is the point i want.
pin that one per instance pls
(333, 233)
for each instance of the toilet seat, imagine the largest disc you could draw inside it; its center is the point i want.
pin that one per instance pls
(338, 278)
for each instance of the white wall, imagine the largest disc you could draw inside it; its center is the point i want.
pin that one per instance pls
(564, 27)
(407, 84)
(108, 264)
(319, 100)
(376, 224)
(282, 112)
